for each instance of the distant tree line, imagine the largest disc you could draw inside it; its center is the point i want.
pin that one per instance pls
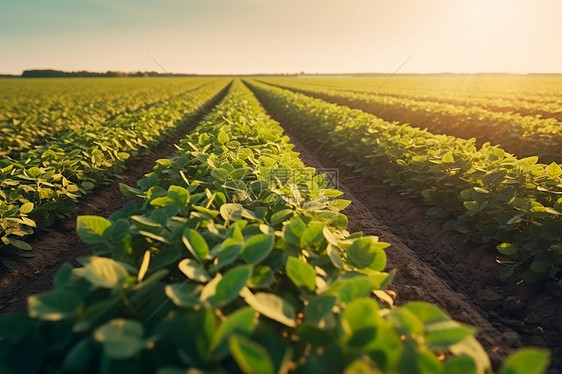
(50, 73)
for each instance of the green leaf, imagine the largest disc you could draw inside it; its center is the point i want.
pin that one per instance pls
(318, 307)
(352, 288)
(87, 185)
(539, 266)
(80, 357)
(359, 322)
(312, 235)
(447, 158)
(91, 228)
(251, 357)
(294, 230)
(179, 195)
(129, 191)
(231, 212)
(367, 252)
(53, 305)
(460, 365)
(280, 216)
(194, 270)
(507, 249)
(223, 137)
(183, 294)
(195, 243)
(362, 365)
(472, 206)
(506, 194)
(243, 321)
(20, 244)
(301, 273)
(121, 338)
(34, 172)
(334, 255)
(330, 238)
(262, 277)
(426, 312)
(444, 334)
(526, 361)
(226, 256)
(63, 276)
(257, 248)
(272, 306)
(10, 264)
(26, 208)
(472, 348)
(553, 170)
(232, 283)
(105, 272)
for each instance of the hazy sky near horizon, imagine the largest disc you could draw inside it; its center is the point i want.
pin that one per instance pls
(277, 36)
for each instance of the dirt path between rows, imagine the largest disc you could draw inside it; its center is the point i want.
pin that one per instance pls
(62, 245)
(461, 279)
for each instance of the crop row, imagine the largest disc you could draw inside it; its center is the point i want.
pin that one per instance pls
(45, 183)
(521, 135)
(21, 97)
(540, 90)
(547, 106)
(43, 120)
(490, 196)
(223, 267)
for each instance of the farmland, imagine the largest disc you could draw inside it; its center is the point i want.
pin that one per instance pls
(275, 224)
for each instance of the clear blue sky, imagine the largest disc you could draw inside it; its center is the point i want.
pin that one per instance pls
(250, 36)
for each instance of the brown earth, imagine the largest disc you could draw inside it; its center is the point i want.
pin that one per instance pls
(60, 244)
(461, 279)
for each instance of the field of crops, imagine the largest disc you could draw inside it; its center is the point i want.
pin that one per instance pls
(276, 225)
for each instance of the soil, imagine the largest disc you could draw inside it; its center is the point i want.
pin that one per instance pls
(60, 244)
(462, 279)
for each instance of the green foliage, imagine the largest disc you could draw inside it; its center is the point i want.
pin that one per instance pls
(526, 360)
(152, 303)
(489, 195)
(43, 184)
(523, 135)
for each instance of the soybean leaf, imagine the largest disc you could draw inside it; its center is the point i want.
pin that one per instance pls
(194, 270)
(232, 283)
(318, 307)
(53, 305)
(243, 321)
(195, 243)
(91, 228)
(444, 334)
(294, 230)
(251, 357)
(312, 235)
(105, 272)
(301, 273)
(359, 322)
(183, 294)
(272, 306)
(367, 252)
(257, 248)
(426, 312)
(262, 277)
(121, 338)
(63, 276)
(526, 361)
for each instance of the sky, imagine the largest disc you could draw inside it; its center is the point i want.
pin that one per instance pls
(282, 36)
